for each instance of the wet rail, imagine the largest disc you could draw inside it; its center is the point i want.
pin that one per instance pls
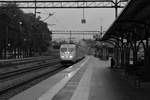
(14, 78)
(11, 62)
(36, 65)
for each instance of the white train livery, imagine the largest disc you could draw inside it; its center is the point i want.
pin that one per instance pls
(70, 53)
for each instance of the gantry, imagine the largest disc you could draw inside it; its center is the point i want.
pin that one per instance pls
(77, 32)
(45, 4)
(28, 4)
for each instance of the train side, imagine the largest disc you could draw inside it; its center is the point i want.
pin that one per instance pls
(70, 53)
(81, 52)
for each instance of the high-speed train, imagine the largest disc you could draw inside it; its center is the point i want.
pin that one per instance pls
(70, 53)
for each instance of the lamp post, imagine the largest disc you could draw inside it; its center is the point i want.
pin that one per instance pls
(6, 43)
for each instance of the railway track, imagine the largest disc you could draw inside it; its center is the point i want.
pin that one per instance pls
(14, 78)
(27, 69)
(11, 62)
(14, 82)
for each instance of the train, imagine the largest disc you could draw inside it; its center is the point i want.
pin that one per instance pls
(71, 53)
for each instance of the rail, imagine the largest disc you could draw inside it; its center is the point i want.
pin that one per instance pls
(8, 62)
(14, 78)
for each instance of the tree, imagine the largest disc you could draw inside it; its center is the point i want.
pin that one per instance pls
(21, 32)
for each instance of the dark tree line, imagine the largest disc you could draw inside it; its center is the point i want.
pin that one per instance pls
(21, 34)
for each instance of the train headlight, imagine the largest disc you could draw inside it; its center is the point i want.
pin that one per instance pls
(71, 57)
(62, 56)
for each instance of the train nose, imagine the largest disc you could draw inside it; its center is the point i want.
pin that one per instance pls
(67, 55)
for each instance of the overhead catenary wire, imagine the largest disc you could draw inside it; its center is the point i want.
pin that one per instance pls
(62, 25)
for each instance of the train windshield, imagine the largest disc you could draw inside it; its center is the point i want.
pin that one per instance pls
(63, 49)
(70, 49)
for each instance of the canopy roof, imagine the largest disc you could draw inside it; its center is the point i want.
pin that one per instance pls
(134, 18)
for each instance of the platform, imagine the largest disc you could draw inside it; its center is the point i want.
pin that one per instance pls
(91, 79)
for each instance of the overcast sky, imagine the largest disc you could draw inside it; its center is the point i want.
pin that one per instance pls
(70, 19)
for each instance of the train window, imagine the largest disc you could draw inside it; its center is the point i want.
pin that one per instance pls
(63, 49)
(70, 49)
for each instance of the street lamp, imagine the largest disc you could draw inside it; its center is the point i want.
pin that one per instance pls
(20, 23)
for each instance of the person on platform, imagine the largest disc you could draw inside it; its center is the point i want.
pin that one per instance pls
(112, 62)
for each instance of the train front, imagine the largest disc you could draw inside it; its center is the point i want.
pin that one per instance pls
(67, 53)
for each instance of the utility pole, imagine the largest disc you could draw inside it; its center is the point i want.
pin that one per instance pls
(101, 31)
(83, 35)
(35, 8)
(116, 9)
(101, 28)
(70, 36)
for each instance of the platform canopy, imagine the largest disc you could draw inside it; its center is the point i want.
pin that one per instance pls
(135, 19)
